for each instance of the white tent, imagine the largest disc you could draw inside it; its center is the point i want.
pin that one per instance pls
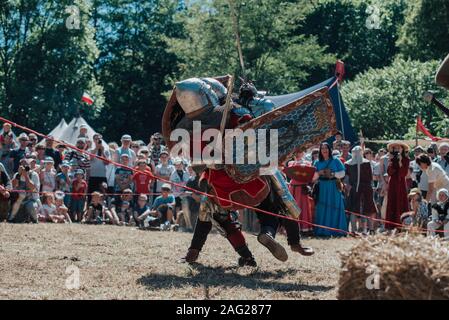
(57, 131)
(72, 132)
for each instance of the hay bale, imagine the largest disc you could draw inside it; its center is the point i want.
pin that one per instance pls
(400, 267)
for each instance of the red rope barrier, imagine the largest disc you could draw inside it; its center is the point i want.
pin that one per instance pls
(193, 190)
(170, 182)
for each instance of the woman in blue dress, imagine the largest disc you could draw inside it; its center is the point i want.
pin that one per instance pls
(330, 207)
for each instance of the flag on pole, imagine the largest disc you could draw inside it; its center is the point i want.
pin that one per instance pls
(87, 99)
(340, 70)
(420, 127)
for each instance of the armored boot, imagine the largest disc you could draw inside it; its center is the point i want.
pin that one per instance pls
(246, 257)
(202, 229)
(305, 251)
(276, 249)
(191, 256)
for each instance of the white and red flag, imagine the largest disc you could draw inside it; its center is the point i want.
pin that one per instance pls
(87, 99)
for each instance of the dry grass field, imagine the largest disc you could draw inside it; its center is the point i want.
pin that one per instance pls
(125, 263)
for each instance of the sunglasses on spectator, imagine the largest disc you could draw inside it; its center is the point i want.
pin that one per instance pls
(165, 190)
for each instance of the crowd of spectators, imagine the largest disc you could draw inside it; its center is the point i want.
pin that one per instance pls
(42, 181)
(358, 190)
(354, 189)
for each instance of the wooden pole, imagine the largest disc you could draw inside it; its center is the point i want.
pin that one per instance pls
(235, 22)
(416, 132)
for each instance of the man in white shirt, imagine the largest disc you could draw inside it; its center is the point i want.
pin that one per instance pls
(125, 148)
(437, 177)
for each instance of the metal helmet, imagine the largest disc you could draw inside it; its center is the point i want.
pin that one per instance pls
(219, 89)
(195, 94)
(247, 91)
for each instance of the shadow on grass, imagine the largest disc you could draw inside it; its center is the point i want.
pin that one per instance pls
(227, 277)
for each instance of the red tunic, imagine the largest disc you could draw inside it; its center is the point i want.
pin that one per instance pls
(397, 202)
(304, 201)
(251, 193)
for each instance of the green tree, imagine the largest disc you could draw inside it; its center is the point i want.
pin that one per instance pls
(274, 57)
(384, 103)
(425, 34)
(341, 26)
(45, 65)
(134, 66)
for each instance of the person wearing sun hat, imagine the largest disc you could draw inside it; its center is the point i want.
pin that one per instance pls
(397, 170)
(48, 175)
(125, 148)
(419, 210)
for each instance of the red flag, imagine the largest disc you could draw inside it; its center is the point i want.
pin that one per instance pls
(87, 99)
(420, 127)
(340, 70)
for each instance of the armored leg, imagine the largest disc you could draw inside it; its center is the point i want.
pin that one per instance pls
(202, 229)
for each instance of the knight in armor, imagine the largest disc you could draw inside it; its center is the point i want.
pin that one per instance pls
(202, 100)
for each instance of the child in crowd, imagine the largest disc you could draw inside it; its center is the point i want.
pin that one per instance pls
(180, 177)
(63, 181)
(48, 175)
(123, 176)
(62, 212)
(122, 206)
(79, 189)
(419, 213)
(142, 179)
(143, 216)
(440, 214)
(163, 206)
(97, 212)
(161, 212)
(48, 208)
(126, 214)
(51, 209)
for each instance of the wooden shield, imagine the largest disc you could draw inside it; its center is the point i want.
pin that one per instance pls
(301, 173)
(300, 125)
(442, 77)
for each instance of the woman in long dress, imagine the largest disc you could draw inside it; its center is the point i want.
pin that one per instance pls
(398, 167)
(330, 208)
(299, 191)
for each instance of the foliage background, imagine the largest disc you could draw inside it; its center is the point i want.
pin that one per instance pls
(128, 54)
